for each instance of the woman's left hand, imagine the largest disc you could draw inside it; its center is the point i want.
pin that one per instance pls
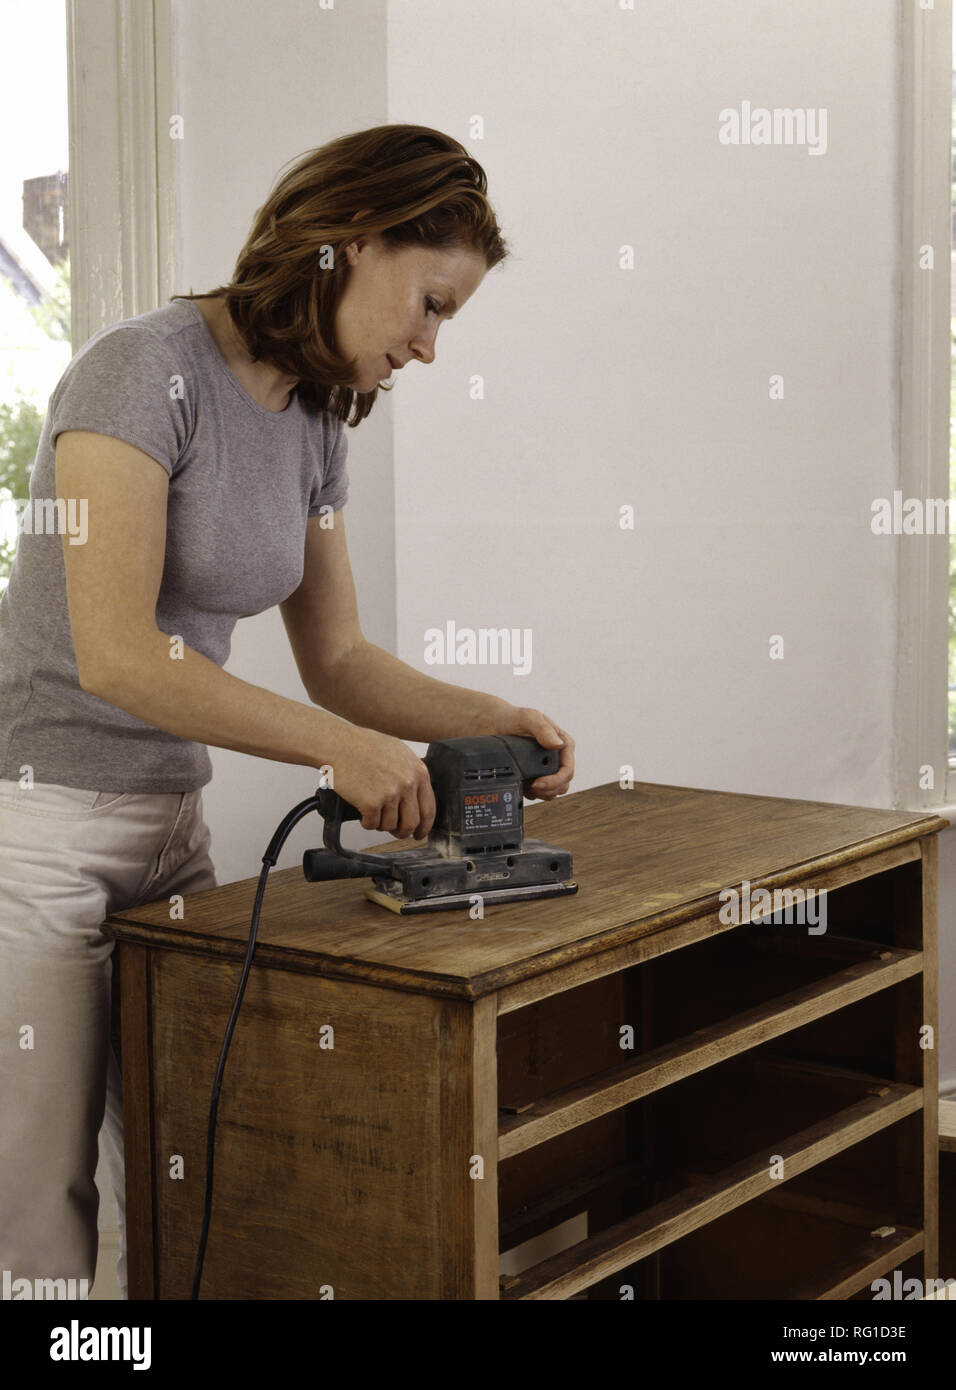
(533, 724)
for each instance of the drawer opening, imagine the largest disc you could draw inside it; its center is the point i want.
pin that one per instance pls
(817, 1237)
(569, 1058)
(653, 1170)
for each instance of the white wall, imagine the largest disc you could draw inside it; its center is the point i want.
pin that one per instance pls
(650, 387)
(605, 387)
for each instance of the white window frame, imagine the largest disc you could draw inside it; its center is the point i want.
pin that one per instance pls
(123, 163)
(922, 652)
(124, 242)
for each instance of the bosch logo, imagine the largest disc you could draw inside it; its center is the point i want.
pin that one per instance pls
(481, 800)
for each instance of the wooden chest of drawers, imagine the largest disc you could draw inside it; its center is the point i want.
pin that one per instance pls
(624, 1093)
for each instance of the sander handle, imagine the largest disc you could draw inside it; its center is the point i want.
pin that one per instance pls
(532, 758)
(334, 809)
(335, 861)
(320, 864)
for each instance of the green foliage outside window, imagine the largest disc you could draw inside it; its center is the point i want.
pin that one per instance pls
(20, 426)
(21, 421)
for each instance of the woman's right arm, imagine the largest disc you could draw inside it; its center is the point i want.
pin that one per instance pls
(112, 584)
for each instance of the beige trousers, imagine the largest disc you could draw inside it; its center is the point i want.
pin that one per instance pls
(69, 858)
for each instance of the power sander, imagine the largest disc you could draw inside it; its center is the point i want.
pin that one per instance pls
(476, 845)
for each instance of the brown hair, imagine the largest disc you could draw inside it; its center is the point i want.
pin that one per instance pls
(412, 184)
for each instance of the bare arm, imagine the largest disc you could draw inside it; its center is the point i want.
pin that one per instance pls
(353, 677)
(112, 586)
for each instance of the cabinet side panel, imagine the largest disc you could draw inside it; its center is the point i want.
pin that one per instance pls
(326, 1176)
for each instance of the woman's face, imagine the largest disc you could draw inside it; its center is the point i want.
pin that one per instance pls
(394, 303)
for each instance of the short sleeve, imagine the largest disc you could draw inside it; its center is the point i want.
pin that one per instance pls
(332, 490)
(123, 383)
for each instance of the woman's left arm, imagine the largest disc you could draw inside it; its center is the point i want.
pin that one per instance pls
(358, 681)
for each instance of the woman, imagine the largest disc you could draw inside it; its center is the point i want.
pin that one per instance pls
(201, 448)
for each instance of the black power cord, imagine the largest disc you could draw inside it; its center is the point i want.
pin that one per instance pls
(312, 803)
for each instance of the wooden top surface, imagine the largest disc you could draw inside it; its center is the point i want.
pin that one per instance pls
(644, 860)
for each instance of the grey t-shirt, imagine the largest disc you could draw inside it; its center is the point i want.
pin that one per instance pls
(242, 481)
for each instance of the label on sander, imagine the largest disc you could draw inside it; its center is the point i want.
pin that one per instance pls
(489, 810)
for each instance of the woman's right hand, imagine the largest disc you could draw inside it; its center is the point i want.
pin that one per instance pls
(384, 780)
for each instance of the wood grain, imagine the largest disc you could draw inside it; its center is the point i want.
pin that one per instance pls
(645, 859)
(614, 1249)
(476, 1095)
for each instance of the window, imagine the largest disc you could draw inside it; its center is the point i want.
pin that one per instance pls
(952, 422)
(34, 243)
